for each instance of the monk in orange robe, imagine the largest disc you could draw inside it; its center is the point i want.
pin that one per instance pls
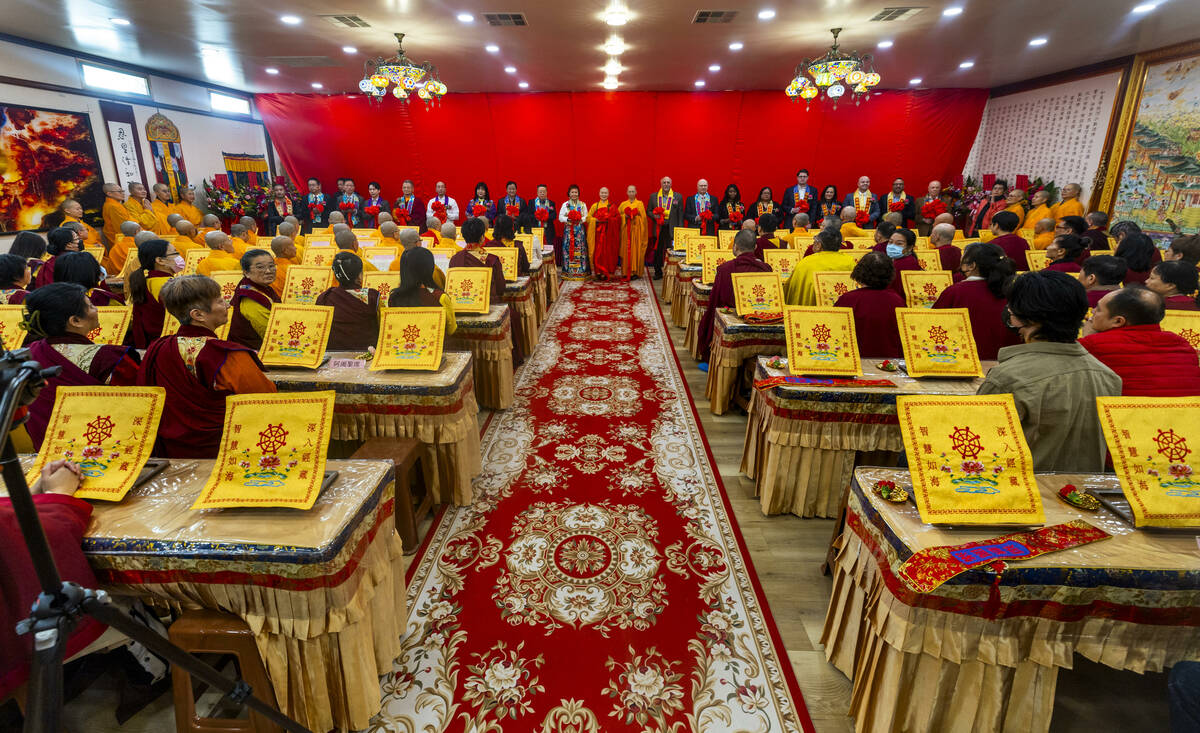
(388, 231)
(634, 234)
(163, 207)
(221, 257)
(142, 211)
(122, 249)
(1015, 201)
(284, 250)
(1043, 233)
(850, 227)
(1070, 205)
(239, 239)
(114, 213)
(72, 211)
(251, 225)
(1041, 210)
(603, 236)
(187, 206)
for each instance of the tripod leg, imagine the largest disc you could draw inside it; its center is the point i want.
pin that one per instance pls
(236, 690)
(43, 711)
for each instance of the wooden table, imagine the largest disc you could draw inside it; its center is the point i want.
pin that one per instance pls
(488, 336)
(519, 296)
(322, 590)
(694, 312)
(960, 658)
(670, 268)
(803, 441)
(551, 269)
(437, 408)
(685, 275)
(734, 342)
(537, 275)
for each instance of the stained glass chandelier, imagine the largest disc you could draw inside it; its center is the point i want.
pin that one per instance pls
(832, 75)
(406, 77)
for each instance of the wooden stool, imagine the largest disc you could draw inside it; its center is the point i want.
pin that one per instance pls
(404, 454)
(206, 631)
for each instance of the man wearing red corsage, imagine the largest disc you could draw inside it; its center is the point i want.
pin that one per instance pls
(929, 206)
(666, 213)
(900, 202)
(865, 203)
(316, 207)
(700, 211)
(350, 204)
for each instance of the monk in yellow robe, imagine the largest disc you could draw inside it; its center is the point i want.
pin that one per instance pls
(187, 206)
(221, 257)
(1040, 210)
(114, 260)
(800, 225)
(1016, 203)
(346, 239)
(186, 237)
(849, 227)
(409, 239)
(72, 210)
(634, 233)
(1070, 205)
(237, 234)
(142, 211)
(1043, 233)
(251, 225)
(163, 207)
(132, 264)
(388, 231)
(297, 238)
(284, 250)
(114, 213)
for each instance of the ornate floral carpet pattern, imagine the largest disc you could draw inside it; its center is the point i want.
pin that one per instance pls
(597, 583)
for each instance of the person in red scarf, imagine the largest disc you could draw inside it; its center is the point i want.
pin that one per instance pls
(60, 317)
(700, 210)
(157, 263)
(475, 255)
(253, 298)
(874, 305)
(722, 296)
(355, 308)
(603, 236)
(197, 369)
(987, 207)
(986, 273)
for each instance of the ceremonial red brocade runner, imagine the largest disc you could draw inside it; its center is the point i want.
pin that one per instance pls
(597, 582)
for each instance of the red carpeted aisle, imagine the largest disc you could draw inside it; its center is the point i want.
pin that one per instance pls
(598, 582)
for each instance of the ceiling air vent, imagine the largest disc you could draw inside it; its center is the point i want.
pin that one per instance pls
(302, 62)
(505, 19)
(714, 16)
(347, 21)
(892, 14)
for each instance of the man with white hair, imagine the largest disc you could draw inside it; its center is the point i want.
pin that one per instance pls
(697, 205)
(864, 203)
(451, 206)
(665, 209)
(927, 207)
(941, 238)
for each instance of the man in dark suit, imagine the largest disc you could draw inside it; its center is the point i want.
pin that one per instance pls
(279, 207)
(316, 207)
(899, 201)
(702, 201)
(665, 209)
(924, 223)
(801, 198)
(410, 208)
(542, 224)
(866, 204)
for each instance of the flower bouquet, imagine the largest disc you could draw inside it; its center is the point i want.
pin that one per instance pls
(439, 211)
(657, 213)
(512, 210)
(542, 215)
(736, 216)
(930, 209)
(371, 211)
(478, 210)
(400, 216)
(862, 218)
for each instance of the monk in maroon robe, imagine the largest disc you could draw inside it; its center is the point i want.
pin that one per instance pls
(722, 290)
(941, 238)
(474, 255)
(355, 323)
(986, 270)
(504, 233)
(1004, 226)
(874, 305)
(197, 369)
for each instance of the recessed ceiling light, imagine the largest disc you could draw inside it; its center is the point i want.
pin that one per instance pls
(317, 85)
(492, 48)
(616, 15)
(1144, 8)
(613, 67)
(614, 46)
(736, 46)
(714, 67)
(119, 21)
(510, 69)
(290, 19)
(699, 82)
(966, 64)
(766, 14)
(1037, 42)
(466, 18)
(951, 12)
(610, 82)
(271, 70)
(915, 82)
(523, 84)
(884, 44)
(349, 49)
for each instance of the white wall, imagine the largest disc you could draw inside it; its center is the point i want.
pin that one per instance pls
(203, 138)
(1056, 132)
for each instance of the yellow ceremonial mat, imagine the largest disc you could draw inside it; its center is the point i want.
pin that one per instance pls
(296, 335)
(938, 343)
(832, 285)
(304, 283)
(757, 292)
(681, 235)
(1037, 259)
(856, 254)
(114, 322)
(383, 281)
(97, 252)
(107, 431)
(693, 247)
(968, 460)
(782, 261)
(532, 249)
(861, 242)
(410, 338)
(922, 288)
(1149, 438)
(272, 451)
(12, 329)
(318, 256)
(369, 233)
(821, 341)
(228, 280)
(1184, 323)
(193, 258)
(510, 257)
(1099, 252)
(171, 325)
(318, 240)
(711, 260)
(929, 259)
(469, 288)
(725, 238)
(381, 257)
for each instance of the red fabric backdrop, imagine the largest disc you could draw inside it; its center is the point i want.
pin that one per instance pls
(613, 139)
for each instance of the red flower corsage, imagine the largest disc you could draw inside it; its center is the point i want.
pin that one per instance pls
(1077, 498)
(658, 213)
(319, 208)
(542, 215)
(931, 209)
(347, 206)
(706, 216)
(574, 216)
(862, 218)
(400, 215)
(478, 210)
(512, 210)
(371, 210)
(735, 217)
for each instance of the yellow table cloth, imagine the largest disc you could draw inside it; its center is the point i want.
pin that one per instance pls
(684, 277)
(551, 275)
(488, 336)
(537, 275)
(950, 660)
(437, 408)
(803, 441)
(670, 268)
(519, 296)
(697, 303)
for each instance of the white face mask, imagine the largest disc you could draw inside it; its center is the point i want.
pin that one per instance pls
(178, 263)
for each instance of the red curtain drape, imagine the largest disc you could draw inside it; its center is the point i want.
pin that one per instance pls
(594, 139)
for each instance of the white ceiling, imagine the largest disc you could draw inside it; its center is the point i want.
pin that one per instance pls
(560, 48)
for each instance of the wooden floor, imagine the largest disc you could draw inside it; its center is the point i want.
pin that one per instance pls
(787, 553)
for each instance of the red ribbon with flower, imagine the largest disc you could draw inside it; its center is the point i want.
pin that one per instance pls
(862, 218)
(736, 216)
(478, 210)
(371, 211)
(658, 214)
(573, 218)
(930, 209)
(347, 206)
(400, 215)
(705, 217)
(439, 211)
(317, 207)
(542, 215)
(512, 210)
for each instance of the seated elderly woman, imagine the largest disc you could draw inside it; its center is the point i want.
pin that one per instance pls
(1176, 281)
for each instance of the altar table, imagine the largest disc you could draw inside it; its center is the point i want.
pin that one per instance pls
(685, 275)
(735, 341)
(437, 408)
(537, 276)
(671, 262)
(519, 296)
(488, 336)
(803, 441)
(697, 304)
(961, 659)
(551, 274)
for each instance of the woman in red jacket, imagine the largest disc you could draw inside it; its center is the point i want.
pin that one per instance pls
(1176, 281)
(986, 271)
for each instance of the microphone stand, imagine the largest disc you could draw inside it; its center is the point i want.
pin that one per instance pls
(60, 605)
